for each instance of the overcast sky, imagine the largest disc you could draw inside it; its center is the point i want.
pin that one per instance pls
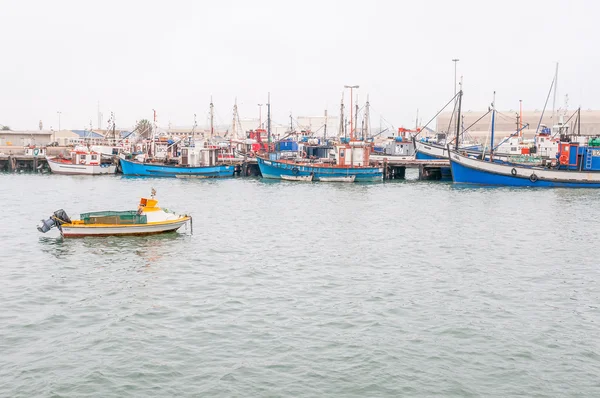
(135, 56)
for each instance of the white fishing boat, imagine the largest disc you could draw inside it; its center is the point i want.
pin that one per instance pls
(82, 161)
(307, 178)
(148, 219)
(338, 179)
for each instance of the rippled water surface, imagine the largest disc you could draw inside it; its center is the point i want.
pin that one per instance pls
(302, 289)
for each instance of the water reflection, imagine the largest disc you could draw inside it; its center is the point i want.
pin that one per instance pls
(150, 248)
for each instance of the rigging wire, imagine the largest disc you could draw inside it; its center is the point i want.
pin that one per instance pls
(547, 98)
(452, 116)
(436, 115)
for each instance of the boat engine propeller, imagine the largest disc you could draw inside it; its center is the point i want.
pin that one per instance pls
(58, 218)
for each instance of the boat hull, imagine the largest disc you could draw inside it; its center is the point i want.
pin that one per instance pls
(158, 170)
(80, 231)
(275, 170)
(297, 178)
(80, 169)
(472, 171)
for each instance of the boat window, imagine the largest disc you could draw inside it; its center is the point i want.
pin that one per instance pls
(94, 157)
(342, 153)
(82, 157)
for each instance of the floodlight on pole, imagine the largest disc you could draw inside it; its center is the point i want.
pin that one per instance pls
(455, 60)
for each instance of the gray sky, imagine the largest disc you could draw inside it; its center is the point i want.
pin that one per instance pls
(135, 56)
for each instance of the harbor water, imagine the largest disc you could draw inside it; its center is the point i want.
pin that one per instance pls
(404, 288)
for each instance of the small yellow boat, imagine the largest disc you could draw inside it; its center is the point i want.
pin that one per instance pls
(148, 219)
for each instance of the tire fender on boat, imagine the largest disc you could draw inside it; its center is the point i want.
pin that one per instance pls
(533, 177)
(513, 171)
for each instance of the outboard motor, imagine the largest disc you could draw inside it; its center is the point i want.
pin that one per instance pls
(57, 219)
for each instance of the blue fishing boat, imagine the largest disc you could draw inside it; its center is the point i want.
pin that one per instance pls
(351, 160)
(199, 160)
(135, 168)
(577, 165)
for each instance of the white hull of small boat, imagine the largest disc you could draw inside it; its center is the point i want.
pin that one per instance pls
(78, 231)
(83, 169)
(297, 178)
(338, 179)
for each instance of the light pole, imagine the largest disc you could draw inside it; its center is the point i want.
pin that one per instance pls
(351, 126)
(455, 60)
(59, 113)
(260, 115)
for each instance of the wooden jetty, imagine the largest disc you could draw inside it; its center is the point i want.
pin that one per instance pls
(17, 163)
(394, 167)
(247, 168)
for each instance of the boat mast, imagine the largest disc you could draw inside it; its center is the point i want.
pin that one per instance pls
(417, 120)
(351, 111)
(233, 123)
(212, 116)
(114, 131)
(325, 128)
(356, 114)
(342, 130)
(366, 121)
(458, 119)
(554, 100)
(194, 127)
(152, 143)
(493, 126)
(269, 120)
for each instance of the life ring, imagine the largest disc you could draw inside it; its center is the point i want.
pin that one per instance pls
(295, 171)
(513, 172)
(82, 161)
(36, 151)
(564, 159)
(533, 177)
(252, 154)
(303, 154)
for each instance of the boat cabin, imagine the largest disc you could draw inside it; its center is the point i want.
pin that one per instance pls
(87, 158)
(577, 155)
(200, 153)
(399, 147)
(353, 154)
